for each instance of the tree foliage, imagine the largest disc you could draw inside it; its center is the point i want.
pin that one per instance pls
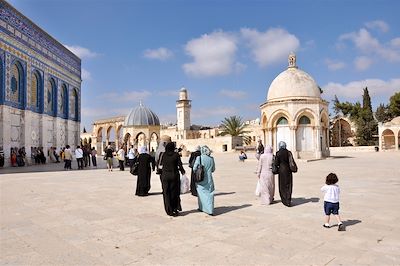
(234, 126)
(363, 117)
(394, 105)
(382, 113)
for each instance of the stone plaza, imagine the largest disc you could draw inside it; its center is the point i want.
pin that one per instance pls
(91, 217)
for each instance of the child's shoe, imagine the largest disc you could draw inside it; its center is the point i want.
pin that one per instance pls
(326, 226)
(341, 227)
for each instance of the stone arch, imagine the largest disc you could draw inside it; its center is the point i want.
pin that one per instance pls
(388, 140)
(308, 113)
(154, 138)
(110, 136)
(264, 121)
(119, 135)
(128, 140)
(341, 133)
(278, 114)
(100, 140)
(140, 139)
(51, 96)
(36, 91)
(17, 85)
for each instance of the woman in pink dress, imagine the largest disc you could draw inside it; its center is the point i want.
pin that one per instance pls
(266, 177)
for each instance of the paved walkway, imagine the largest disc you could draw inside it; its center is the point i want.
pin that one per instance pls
(92, 217)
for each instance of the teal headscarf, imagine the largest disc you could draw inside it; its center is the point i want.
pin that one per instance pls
(205, 150)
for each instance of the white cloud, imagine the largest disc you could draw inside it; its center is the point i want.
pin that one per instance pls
(354, 89)
(174, 93)
(369, 45)
(81, 52)
(334, 64)
(158, 54)
(362, 63)
(377, 24)
(233, 94)
(271, 46)
(126, 96)
(85, 75)
(213, 55)
(395, 43)
(215, 111)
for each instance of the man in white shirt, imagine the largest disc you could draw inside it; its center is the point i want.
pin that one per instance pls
(79, 157)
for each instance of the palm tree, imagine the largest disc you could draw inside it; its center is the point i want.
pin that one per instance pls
(235, 126)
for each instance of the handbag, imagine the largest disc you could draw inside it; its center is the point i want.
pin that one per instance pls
(134, 169)
(199, 174)
(105, 157)
(275, 167)
(292, 163)
(258, 188)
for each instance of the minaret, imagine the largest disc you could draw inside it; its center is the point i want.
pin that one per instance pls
(183, 106)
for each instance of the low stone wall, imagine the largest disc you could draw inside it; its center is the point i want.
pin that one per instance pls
(352, 149)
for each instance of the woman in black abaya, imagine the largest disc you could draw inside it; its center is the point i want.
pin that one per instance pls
(146, 164)
(170, 179)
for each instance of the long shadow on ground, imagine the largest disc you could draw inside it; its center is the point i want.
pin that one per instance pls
(218, 210)
(223, 193)
(300, 201)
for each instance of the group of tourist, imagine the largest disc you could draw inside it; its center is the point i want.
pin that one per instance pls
(168, 165)
(18, 156)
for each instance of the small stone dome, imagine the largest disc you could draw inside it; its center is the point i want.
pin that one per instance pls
(141, 116)
(293, 83)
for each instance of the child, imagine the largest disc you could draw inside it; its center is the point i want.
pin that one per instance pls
(331, 200)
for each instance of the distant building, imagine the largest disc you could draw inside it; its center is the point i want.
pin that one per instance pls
(389, 135)
(295, 113)
(40, 87)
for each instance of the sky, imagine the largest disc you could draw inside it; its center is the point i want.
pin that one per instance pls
(225, 53)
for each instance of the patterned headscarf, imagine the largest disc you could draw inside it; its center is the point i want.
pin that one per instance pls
(268, 149)
(205, 150)
(282, 145)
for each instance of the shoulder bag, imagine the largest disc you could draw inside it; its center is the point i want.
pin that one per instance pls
(292, 163)
(199, 175)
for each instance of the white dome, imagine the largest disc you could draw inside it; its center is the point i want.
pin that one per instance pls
(293, 83)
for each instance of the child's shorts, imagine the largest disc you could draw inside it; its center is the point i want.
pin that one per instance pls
(331, 208)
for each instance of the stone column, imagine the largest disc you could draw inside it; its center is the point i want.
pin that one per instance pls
(292, 145)
(380, 139)
(318, 151)
(396, 140)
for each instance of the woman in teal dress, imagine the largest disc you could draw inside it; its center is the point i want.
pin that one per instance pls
(205, 188)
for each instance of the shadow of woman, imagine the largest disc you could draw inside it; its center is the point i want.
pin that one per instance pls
(300, 201)
(225, 209)
(223, 193)
(217, 210)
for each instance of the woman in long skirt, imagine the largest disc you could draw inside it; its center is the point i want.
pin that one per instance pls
(205, 188)
(170, 179)
(266, 177)
(146, 164)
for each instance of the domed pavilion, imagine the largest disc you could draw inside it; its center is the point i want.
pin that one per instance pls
(141, 127)
(294, 112)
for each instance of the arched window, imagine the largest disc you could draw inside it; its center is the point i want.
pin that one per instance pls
(75, 104)
(51, 96)
(17, 85)
(304, 120)
(282, 121)
(64, 101)
(35, 90)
